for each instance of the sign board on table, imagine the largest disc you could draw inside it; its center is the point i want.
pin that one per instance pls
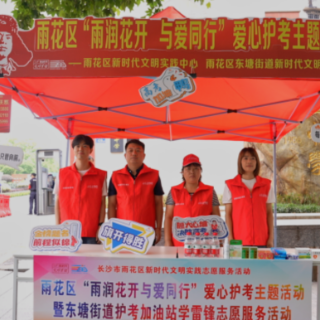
(63, 237)
(11, 156)
(173, 85)
(123, 235)
(171, 289)
(201, 224)
(116, 145)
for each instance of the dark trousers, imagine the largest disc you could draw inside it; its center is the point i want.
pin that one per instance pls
(89, 240)
(33, 197)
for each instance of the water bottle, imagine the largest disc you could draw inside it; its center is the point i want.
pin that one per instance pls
(197, 245)
(205, 245)
(188, 245)
(226, 249)
(215, 245)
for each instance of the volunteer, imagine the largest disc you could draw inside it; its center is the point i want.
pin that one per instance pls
(81, 192)
(135, 192)
(248, 199)
(191, 198)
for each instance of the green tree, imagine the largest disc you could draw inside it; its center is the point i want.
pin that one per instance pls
(51, 165)
(27, 10)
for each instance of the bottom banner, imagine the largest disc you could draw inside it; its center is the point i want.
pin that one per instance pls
(204, 289)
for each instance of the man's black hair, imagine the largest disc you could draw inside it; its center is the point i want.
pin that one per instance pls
(33, 174)
(82, 138)
(135, 141)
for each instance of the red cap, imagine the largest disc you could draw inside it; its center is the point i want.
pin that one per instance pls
(190, 158)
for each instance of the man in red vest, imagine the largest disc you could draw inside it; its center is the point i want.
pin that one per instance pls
(135, 192)
(81, 192)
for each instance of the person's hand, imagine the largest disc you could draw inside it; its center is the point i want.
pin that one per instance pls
(270, 243)
(97, 236)
(158, 234)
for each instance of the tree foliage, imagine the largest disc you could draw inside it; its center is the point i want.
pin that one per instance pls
(29, 159)
(27, 10)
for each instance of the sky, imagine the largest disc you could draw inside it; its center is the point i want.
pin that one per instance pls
(219, 158)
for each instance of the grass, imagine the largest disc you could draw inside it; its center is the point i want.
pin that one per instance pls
(18, 194)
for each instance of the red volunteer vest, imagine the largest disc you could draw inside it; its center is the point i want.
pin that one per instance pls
(135, 197)
(249, 211)
(199, 205)
(80, 198)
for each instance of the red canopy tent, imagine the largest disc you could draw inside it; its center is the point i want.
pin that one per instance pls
(256, 79)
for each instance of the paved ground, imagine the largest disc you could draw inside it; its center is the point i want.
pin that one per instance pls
(14, 237)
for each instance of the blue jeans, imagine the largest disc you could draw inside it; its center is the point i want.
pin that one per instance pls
(89, 240)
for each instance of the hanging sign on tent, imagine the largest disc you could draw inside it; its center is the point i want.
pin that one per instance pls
(11, 156)
(173, 85)
(5, 113)
(315, 132)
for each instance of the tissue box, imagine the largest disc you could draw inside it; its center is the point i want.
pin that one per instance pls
(265, 254)
(279, 253)
(303, 253)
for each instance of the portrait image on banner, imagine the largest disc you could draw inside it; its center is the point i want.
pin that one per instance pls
(13, 51)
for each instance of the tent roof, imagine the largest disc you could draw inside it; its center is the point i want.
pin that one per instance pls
(220, 109)
(169, 12)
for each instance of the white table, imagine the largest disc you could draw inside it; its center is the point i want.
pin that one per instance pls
(97, 251)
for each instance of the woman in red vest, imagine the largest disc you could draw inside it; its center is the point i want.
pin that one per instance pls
(248, 199)
(191, 198)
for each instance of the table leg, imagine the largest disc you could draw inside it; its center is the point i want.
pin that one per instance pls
(15, 289)
(318, 293)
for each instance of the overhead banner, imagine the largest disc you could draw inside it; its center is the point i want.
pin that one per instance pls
(221, 47)
(160, 289)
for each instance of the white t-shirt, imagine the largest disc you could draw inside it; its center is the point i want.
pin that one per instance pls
(82, 173)
(227, 197)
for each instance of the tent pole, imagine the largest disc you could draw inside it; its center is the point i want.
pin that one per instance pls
(67, 152)
(275, 191)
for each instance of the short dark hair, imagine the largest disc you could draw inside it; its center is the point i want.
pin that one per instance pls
(253, 153)
(135, 141)
(33, 174)
(191, 164)
(82, 138)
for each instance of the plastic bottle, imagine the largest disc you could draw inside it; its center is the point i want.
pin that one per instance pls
(188, 245)
(215, 245)
(205, 245)
(226, 249)
(197, 245)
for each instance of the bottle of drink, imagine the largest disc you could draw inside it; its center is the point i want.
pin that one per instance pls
(197, 245)
(215, 245)
(205, 245)
(188, 245)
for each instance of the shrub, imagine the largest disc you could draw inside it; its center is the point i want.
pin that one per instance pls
(5, 187)
(297, 208)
